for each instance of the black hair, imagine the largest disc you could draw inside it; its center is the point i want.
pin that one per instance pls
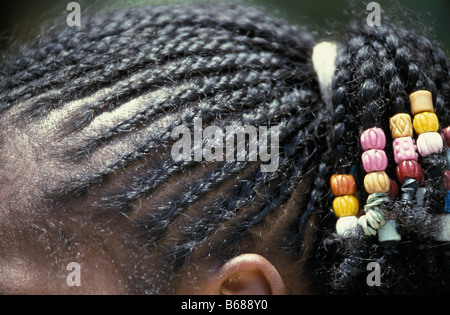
(377, 68)
(92, 109)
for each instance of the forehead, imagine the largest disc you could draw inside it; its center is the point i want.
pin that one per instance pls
(36, 253)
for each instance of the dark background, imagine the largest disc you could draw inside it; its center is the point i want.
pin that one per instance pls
(20, 19)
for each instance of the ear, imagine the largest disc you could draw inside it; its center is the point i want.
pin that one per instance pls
(246, 274)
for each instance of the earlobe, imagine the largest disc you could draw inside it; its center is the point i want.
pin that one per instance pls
(247, 274)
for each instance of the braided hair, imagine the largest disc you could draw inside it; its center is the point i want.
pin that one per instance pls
(376, 69)
(87, 118)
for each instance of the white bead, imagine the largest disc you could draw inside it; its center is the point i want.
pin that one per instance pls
(429, 143)
(346, 226)
(388, 232)
(444, 232)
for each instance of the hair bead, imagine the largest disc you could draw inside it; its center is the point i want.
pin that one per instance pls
(342, 184)
(388, 232)
(409, 168)
(425, 122)
(446, 134)
(374, 201)
(377, 182)
(429, 143)
(426, 125)
(401, 126)
(374, 213)
(405, 156)
(409, 189)
(393, 189)
(374, 160)
(448, 156)
(373, 138)
(447, 202)
(344, 206)
(447, 179)
(404, 149)
(347, 226)
(421, 101)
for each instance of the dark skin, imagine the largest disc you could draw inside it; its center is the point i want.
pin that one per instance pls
(26, 269)
(34, 261)
(37, 244)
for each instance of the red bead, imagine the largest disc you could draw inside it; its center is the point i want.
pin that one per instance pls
(393, 189)
(446, 132)
(409, 168)
(447, 180)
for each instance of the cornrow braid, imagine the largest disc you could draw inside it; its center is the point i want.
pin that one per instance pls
(116, 118)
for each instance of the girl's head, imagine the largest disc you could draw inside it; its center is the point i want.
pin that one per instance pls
(108, 132)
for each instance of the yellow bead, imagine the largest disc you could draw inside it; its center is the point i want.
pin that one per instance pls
(377, 182)
(421, 101)
(425, 122)
(401, 126)
(345, 206)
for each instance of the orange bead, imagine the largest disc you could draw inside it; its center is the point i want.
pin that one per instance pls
(377, 182)
(425, 122)
(421, 101)
(401, 126)
(344, 206)
(342, 184)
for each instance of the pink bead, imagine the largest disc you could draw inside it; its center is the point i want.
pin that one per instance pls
(374, 160)
(373, 138)
(429, 143)
(404, 149)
